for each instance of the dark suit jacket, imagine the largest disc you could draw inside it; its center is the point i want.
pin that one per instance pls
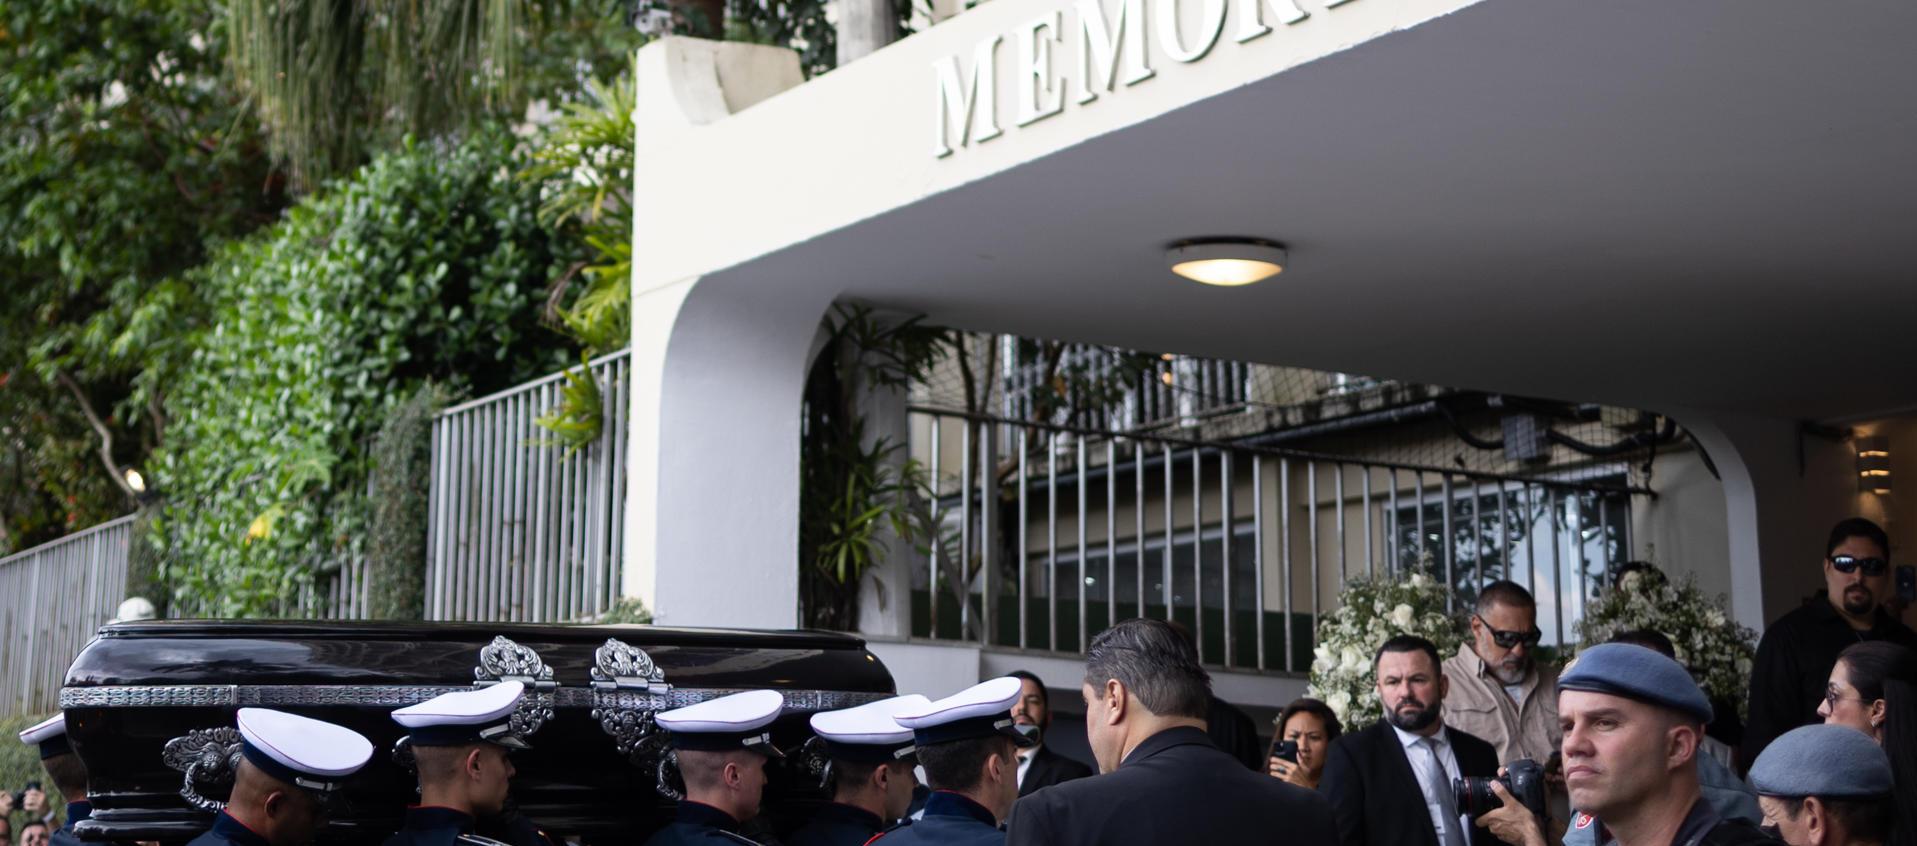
(1049, 768)
(1176, 787)
(1376, 795)
(1233, 731)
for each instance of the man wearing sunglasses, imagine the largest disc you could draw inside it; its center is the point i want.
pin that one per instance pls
(1795, 657)
(1499, 692)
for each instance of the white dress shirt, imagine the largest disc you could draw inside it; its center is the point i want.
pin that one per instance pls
(1414, 751)
(1025, 763)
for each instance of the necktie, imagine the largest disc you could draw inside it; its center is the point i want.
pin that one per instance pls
(1447, 803)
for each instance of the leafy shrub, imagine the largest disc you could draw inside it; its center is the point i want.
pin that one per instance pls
(427, 264)
(400, 491)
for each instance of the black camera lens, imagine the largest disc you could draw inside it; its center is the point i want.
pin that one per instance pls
(1522, 778)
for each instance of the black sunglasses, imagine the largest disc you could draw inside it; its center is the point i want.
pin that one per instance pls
(1850, 564)
(1509, 640)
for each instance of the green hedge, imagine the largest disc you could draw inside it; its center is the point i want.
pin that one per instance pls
(426, 265)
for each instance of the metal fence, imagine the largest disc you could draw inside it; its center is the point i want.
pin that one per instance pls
(52, 599)
(1052, 533)
(521, 529)
(1170, 391)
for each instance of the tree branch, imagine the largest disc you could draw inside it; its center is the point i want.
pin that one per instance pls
(100, 429)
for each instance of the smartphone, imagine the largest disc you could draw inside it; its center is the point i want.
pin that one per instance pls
(1907, 583)
(1285, 750)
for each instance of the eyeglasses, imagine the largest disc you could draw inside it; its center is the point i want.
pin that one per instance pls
(1848, 564)
(1831, 698)
(1510, 640)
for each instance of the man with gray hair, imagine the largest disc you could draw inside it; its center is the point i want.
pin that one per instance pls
(1163, 780)
(1499, 691)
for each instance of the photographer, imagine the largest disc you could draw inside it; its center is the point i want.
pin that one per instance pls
(1825, 786)
(1306, 729)
(1633, 722)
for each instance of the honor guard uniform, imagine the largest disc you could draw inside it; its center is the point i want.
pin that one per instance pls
(702, 735)
(456, 726)
(68, 774)
(284, 752)
(980, 714)
(857, 742)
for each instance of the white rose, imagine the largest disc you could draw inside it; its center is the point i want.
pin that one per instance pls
(1402, 615)
(1340, 701)
(1352, 659)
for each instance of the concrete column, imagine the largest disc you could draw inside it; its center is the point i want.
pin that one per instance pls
(885, 593)
(865, 26)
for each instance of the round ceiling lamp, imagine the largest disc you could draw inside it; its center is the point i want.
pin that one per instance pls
(1226, 262)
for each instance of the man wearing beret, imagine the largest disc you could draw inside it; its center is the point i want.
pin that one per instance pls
(1825, 785)
(1633, 721)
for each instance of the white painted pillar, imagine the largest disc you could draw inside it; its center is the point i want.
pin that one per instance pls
(718, 368)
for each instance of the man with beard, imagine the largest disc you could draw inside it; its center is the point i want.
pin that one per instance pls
(1795, 657)
(1499, 692)
(1039, 766)
(1390, 784)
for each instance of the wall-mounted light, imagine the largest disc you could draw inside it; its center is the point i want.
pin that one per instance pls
(1873, 464)
(1227, 262)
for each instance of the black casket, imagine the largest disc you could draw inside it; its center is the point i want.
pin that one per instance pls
(150, 709)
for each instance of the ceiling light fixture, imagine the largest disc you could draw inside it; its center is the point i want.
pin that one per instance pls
(1227, 262)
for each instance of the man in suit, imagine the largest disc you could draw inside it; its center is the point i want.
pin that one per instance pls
(1391, 783)
(1039, 766)
(1163, 781)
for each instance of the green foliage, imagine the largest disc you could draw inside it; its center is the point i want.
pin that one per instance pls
(400, 492)
(628, 611)
(425, 265)
(576, 422)
(583, 170)
(125, 157)
(334, 77)
(849, 489)
(799, 24)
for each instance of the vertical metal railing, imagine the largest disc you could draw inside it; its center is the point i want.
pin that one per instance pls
(53, 597)
(522, 529)
(1252, 545)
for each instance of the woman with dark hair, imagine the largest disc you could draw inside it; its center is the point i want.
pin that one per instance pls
(1312, 726)
(1873, 688)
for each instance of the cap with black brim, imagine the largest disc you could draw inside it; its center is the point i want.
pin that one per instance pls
(50, 735)
(466, 716)
(869, 733)
(301, 751)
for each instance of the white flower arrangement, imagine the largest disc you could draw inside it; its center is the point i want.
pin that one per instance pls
(1374, 610)
(1717, 651)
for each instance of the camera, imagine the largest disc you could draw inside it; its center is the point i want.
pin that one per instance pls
(1524, 778)
(1285, 750)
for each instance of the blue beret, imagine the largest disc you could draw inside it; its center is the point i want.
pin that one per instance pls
(1822, 760)
(1633, 672)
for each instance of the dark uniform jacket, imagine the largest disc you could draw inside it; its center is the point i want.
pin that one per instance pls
(1701, 827)
(696, 824)
(949, 820)
(1175, 787)
(227, 831)
(1794, 660)
(431, 825)
(76, 811)
(1376, 795)
(1234, 733)
(837, 824)
(1049, 768)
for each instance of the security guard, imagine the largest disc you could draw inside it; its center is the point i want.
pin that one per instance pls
(66, 771)
(871, 759)
(1633, 722)
(1164, 781)
(968, 745)
(460, 743)
(722, 746)
(289, 765)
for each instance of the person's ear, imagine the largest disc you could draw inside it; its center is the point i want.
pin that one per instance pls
(732, 775)
(1877, 709)
(1444, 685)
(881, 777)
(1816, 821)
(1116, 701)
(475, 763)
(1682, 749)
(276, 804)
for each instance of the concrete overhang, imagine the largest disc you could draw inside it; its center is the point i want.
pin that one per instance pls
(1702, 205)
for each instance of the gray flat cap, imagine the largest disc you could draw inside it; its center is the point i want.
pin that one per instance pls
(1633, 672)
(1825, 760)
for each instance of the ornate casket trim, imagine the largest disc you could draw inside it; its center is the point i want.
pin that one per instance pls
(209, 758)
(396, 696)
